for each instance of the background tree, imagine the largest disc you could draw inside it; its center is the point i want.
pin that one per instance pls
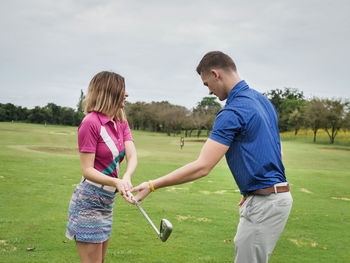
(136, 114)
(286, 102)
(80, 102)
(22, 113)
(334, 117)
(158, 112)
(80, 110)
(69, 116)
(188, 124)
(209, 104)
(172, 118)
(207, 109)
(54, 113)
(9, 112)
(39, 115)
(315, 115)
(346, 125)
(296, 119)
(198, 118)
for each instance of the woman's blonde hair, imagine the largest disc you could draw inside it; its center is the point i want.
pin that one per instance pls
(105, 95)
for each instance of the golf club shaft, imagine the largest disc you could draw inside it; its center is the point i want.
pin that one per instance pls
(143, 212)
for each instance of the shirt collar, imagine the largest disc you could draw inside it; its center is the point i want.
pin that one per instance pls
(240, 86)
(103, 118)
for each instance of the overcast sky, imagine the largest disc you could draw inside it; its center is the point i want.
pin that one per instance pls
(50, 50)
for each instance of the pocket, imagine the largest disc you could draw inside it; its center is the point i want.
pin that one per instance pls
(256, 209)
(265, 209)
(245, 208)
(284, 203)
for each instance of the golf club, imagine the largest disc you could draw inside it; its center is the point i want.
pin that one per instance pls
(165, 226)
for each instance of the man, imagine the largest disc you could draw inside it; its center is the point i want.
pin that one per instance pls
(246, 131)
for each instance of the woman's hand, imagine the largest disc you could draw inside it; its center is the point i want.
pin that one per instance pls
(123, 186)
(127, 181)
(143, 190)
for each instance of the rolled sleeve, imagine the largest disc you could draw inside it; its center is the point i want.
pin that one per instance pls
(226, 126)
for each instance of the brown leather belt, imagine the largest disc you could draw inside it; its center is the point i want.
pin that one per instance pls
(270, 190)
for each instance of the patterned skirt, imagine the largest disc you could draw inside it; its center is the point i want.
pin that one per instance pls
(90, 214)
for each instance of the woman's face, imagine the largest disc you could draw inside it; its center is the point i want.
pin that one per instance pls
(125, 96)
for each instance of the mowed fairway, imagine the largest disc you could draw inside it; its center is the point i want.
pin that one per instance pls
(39, 169)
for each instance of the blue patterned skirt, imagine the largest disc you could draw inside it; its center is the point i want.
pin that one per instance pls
(90, 214)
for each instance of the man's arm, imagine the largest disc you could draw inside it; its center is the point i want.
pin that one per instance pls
(210, 155)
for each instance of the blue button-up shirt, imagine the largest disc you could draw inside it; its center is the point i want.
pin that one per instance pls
(248, 125)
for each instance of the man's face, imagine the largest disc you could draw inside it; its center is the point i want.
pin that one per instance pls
(214, 84)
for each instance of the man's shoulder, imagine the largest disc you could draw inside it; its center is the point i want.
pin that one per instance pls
(248, 98)
(229, 115)
(237, 106)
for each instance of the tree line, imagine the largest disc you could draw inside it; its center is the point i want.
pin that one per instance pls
(294, 113)
(172, 119)
(49, 114)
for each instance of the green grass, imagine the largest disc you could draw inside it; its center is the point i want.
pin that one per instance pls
(40, 168)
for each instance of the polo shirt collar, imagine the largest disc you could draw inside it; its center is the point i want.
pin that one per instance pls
(103, 118)
(240, 86)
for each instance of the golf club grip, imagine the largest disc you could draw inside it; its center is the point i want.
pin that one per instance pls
(143, 212)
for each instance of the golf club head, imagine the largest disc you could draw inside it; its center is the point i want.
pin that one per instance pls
(165, 229)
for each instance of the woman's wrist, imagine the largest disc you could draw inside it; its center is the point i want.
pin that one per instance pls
(127, 176)
(116, 182)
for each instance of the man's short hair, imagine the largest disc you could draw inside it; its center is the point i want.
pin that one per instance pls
(215, 59)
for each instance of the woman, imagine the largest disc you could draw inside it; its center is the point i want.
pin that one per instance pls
(104, 139)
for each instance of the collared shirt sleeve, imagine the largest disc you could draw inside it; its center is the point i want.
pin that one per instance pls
(126, 132)
(226, 127)
(88, 135)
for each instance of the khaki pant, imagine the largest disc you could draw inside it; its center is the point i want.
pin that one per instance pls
(262, 220)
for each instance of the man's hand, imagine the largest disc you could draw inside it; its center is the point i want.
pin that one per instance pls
(242, 201)
(143, 190)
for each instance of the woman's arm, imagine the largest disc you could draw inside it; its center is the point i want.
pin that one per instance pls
(131, 162)
(89, 172)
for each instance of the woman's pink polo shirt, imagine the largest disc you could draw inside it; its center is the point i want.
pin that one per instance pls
(96, 134)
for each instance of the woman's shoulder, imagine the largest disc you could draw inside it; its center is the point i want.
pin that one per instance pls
(91, 117)
(91, 120)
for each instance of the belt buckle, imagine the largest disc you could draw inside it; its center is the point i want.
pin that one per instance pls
(279, 184)
(275, 188)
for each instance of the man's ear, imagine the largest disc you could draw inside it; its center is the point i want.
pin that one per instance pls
(215, 73)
